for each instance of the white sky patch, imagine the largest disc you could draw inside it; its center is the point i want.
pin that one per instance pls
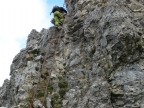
(17, 19)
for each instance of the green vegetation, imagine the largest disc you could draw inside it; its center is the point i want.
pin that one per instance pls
(57, 97)
(63, 85)
(56, 101)
(50, 88)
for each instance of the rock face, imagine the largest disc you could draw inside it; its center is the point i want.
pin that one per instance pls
(95, 61)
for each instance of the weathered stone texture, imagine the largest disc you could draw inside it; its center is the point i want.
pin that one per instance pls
(95, 61)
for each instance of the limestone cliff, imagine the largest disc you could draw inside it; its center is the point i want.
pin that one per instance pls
(95, 61)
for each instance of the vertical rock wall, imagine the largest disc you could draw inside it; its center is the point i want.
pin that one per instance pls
(95, 61)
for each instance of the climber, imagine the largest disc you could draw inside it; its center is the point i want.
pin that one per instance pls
(59, 15)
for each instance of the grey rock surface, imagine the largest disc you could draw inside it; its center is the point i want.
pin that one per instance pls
(4, 93)
(95, 61)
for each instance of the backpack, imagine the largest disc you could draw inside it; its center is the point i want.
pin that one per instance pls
(57, 8)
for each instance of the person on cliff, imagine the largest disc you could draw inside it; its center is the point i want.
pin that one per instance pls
(59, 16)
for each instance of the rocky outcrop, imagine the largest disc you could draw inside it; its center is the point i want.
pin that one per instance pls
(95, 61)
(4, 93)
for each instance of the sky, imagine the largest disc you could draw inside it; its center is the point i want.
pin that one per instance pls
(17, 19)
